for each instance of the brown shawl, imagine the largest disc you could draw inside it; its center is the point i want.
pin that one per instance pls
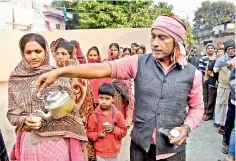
(23, 102)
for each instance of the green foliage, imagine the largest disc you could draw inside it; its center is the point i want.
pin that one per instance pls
(114, 14)
(214, 13)
(92, 14)
(189, 41)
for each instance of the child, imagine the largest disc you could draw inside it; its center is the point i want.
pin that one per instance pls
(106, 126)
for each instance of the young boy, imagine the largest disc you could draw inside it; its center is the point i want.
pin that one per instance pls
(106, 126)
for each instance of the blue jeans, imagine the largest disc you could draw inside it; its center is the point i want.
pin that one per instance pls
(229, 124)
(232, 142)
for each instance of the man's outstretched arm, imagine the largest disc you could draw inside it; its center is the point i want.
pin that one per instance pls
(87, 71)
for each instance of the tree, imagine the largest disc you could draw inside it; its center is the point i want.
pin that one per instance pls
(189, 41)
(143, 13)
(114, 14)
(214, 13)
(92, 14)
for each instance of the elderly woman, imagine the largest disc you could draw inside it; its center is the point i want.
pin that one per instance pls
(38, 139)
(82, 92)
(65, 55)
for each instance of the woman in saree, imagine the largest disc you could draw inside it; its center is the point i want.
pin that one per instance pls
(126, 52)
(82, 92)
(53, 47)
(93, 56)
(123, 98)
(80, 56)
(141, 50)
(41, 140)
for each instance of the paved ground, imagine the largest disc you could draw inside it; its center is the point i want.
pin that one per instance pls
(203, 145)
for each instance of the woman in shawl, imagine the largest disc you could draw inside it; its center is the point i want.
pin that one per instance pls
(3, 150)
(40, 140)
(123, 96)
(126, 52)
(80, 56)
(134, 47)
(93, 56)
(141, 50)
(54, 44)
(82, 92)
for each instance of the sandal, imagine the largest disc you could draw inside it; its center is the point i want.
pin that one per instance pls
(225, 149)
(216, 125)
(205, 118)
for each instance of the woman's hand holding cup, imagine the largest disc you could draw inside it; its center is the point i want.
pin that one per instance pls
(33, 122)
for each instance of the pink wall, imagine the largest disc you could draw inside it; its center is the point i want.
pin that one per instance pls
(102, 38)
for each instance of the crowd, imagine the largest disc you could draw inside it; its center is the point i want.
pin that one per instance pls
(104, 99)
(218, 69)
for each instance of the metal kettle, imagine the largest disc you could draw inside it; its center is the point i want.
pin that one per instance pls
(58, 104)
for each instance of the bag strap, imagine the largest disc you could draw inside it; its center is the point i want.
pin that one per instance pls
(112, 113)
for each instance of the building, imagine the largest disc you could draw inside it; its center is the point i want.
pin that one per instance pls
(214, 34)
(53, 17)
(26, 15)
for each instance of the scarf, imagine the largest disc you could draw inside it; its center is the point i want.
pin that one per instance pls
(224, 60)
(96, 83)
(23, 102)
(82, 92)
(79, 54)
(111, 56)
(99, 60)
(172, 26)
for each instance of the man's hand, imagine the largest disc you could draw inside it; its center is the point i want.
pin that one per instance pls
(109, 128)
(102, 134)
(210, 73)
(182, 137)
(230, 67)
(46, 79)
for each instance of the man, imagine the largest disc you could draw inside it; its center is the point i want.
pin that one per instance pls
(223, 89)
(228, 61)
(203, 62)
(165, 84)
(194, 56)
(231, 150)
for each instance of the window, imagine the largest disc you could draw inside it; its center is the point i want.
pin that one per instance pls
(57, 26)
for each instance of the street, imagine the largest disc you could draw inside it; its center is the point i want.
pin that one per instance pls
(204, 143)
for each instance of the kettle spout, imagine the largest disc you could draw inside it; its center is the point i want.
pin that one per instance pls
(45, 116)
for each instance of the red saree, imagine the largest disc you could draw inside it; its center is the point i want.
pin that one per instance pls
(123, 98)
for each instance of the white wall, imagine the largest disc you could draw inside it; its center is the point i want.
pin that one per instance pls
(5, 13)
(53, 21)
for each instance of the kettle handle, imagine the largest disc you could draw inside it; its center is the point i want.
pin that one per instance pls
(61, 89)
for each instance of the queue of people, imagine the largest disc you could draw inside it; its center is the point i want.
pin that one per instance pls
(171, 93)
(218, 69)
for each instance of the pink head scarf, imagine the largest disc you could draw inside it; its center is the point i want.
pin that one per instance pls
(176, 29)
(172, 26)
